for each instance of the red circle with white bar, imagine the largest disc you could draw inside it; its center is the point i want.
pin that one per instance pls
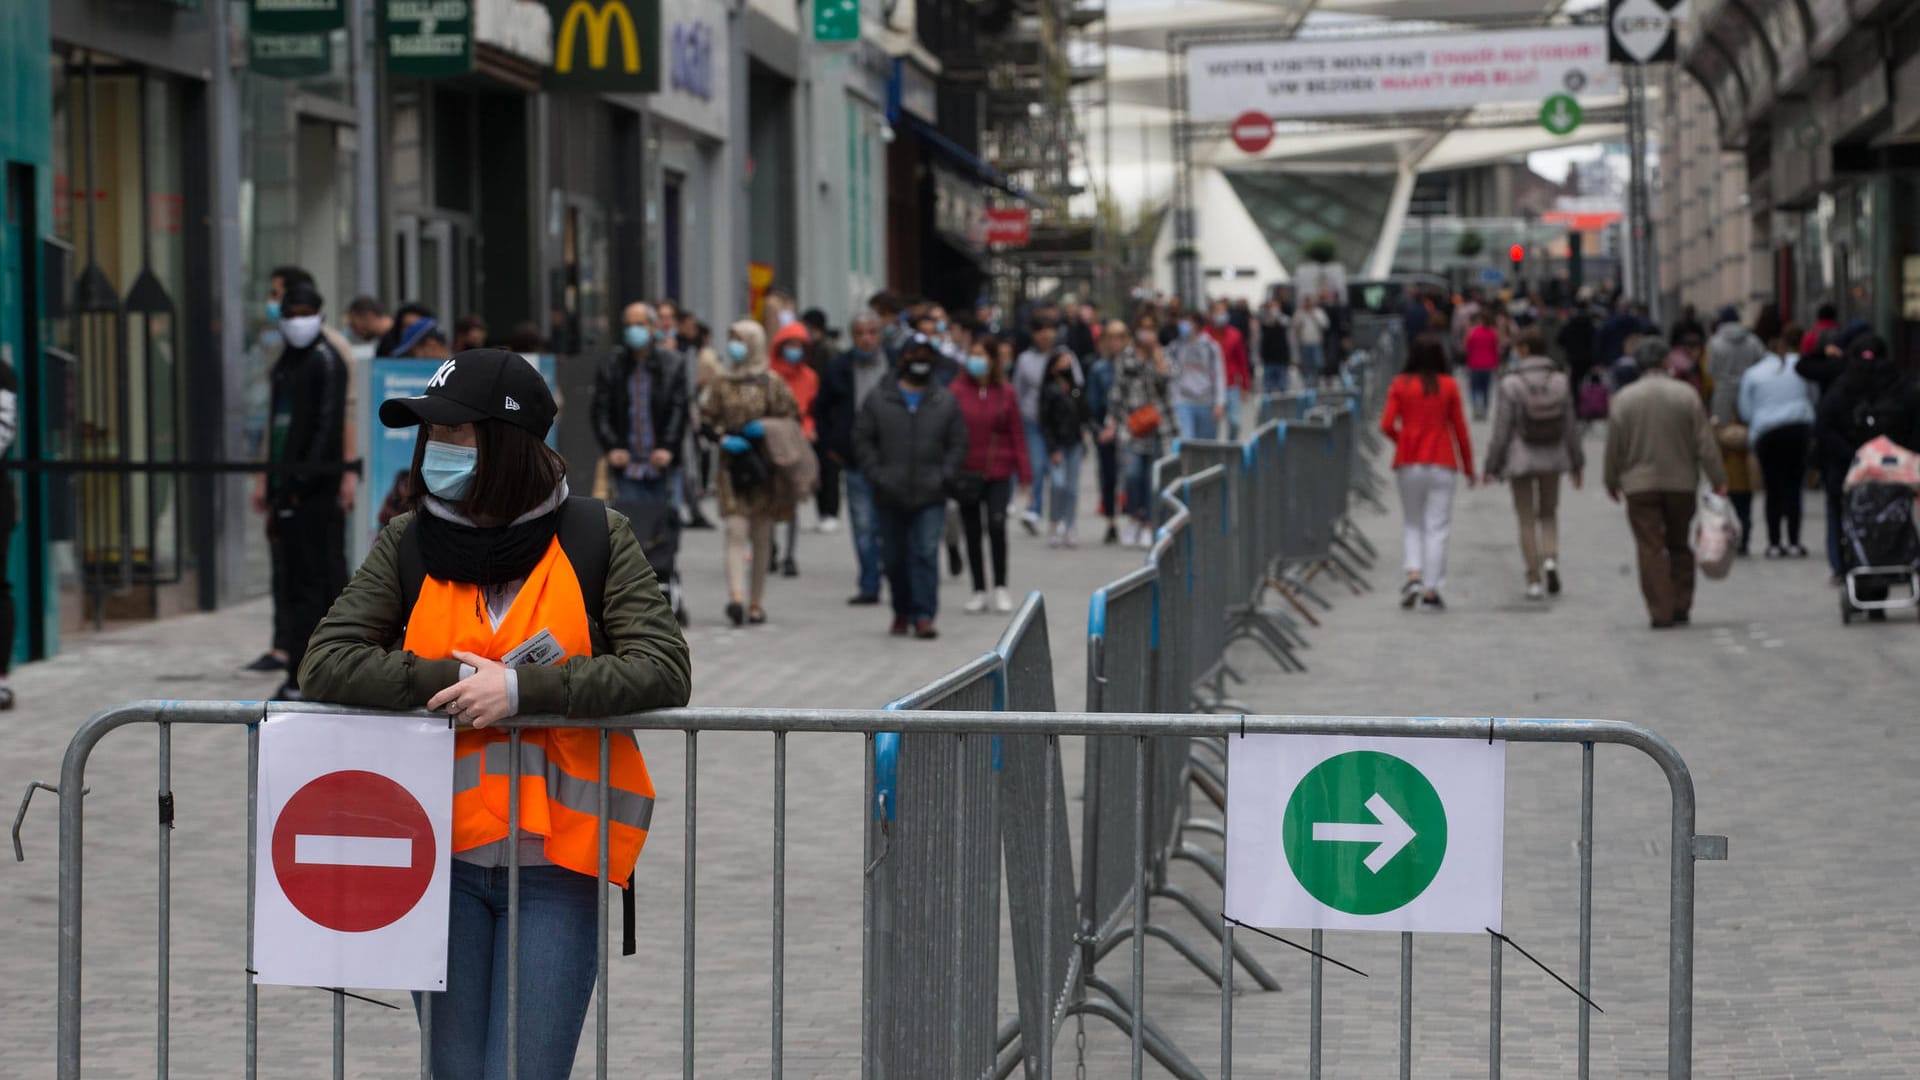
(353, 851)
(1252, 131)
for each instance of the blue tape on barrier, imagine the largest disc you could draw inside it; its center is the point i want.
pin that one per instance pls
(1153, 627)
(1097, 614)
(886, 774)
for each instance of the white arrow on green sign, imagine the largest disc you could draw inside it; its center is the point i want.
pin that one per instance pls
(1560, 114)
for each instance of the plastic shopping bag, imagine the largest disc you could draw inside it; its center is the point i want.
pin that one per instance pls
(1714, 536)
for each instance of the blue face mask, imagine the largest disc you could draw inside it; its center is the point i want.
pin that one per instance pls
(447, 469)
(977, 366)
(940, 327)
(273, 311)
(793, 353)
(737, 351)
(1186, 328)
(638, 337)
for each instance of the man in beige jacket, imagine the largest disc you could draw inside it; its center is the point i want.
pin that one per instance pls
(1659, 444)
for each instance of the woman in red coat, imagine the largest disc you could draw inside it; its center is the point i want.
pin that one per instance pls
(1428, 427)
(996, 455)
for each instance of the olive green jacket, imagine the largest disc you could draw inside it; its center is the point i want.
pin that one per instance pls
(354, 656)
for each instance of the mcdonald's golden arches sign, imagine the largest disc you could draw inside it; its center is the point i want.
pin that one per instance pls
(609, 45)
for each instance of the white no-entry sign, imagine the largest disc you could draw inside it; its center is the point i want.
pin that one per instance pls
(355, 829)
(1345, 833)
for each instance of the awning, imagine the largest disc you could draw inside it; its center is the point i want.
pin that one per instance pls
(965, 161)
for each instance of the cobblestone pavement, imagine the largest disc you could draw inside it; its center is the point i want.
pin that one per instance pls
(1794, 728)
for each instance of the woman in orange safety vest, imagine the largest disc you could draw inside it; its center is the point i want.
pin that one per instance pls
(501, 595)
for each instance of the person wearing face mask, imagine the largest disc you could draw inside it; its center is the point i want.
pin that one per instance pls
(640, 411)
(849, 380)
(501, 595)
(1276, 350)
(1199, 374)
(1233, 353)
(1142, 411)
(792, 347)
(910, 440)
(731, 408)
(1030, 373)
(279, 283)
(306, 525)
(996, 457)
(1310, 330)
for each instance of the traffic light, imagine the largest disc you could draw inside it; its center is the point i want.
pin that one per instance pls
(1518, 255)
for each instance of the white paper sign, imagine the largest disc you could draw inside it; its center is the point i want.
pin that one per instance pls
(355, 834)
(1427, 73)
(1344, 833)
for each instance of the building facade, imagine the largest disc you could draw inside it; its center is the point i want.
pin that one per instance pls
(1812, 123)
(163, 157)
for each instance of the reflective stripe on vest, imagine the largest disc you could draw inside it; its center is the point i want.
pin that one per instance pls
(559, 767)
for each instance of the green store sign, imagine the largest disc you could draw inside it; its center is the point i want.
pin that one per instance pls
(427, 39)
(289, 56)
(296, 16)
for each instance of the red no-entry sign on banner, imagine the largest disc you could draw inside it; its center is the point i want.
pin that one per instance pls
(355, 828)
(1252, 131)
(353, 851)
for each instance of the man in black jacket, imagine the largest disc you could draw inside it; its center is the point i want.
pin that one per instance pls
(306, 433)
(845, 385)
(910, 441)
(640, 411)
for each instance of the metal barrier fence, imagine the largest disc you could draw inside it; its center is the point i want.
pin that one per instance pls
(932, 939)
(1040, 729)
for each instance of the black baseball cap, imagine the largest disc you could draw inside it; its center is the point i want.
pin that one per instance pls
(479, 384)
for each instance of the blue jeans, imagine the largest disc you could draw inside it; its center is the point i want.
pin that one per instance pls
(1037, 454)
(911, 540)
(557, 962)
(1196, 421)
(1140, 486)
(663, 489)
(1273, 378)
(1311, 357)
(1064, 479)
(1233, 413)
(864, 530)
(1479, 389)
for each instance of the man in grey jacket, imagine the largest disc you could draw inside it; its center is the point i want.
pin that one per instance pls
(910, 442)
(1659, 445)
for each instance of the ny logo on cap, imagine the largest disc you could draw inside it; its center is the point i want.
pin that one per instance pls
(440, 377)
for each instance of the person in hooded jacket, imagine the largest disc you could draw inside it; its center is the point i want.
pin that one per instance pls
(996, 457)
(481, 589)
(910, 441)
(640, 410)
(303, 500)
(791, 359)
(734, 402)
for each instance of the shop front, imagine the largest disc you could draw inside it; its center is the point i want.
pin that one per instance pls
(690, 244)
(126, 382)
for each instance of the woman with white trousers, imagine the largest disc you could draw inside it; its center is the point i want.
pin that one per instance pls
(1428, 425)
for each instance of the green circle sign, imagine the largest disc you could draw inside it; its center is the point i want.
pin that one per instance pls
(1365, 832)
(1560, 114)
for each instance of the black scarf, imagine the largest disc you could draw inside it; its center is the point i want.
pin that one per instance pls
(484, 556)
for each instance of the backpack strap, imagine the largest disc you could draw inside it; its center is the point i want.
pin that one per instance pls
(583, 537)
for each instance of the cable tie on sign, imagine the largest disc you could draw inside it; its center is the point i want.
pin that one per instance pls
(1243, 725)
(1536, 963)
(1490, 723)
(1293, 945)
(359, 997)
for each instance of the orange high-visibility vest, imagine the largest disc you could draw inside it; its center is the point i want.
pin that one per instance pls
(559, 767)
